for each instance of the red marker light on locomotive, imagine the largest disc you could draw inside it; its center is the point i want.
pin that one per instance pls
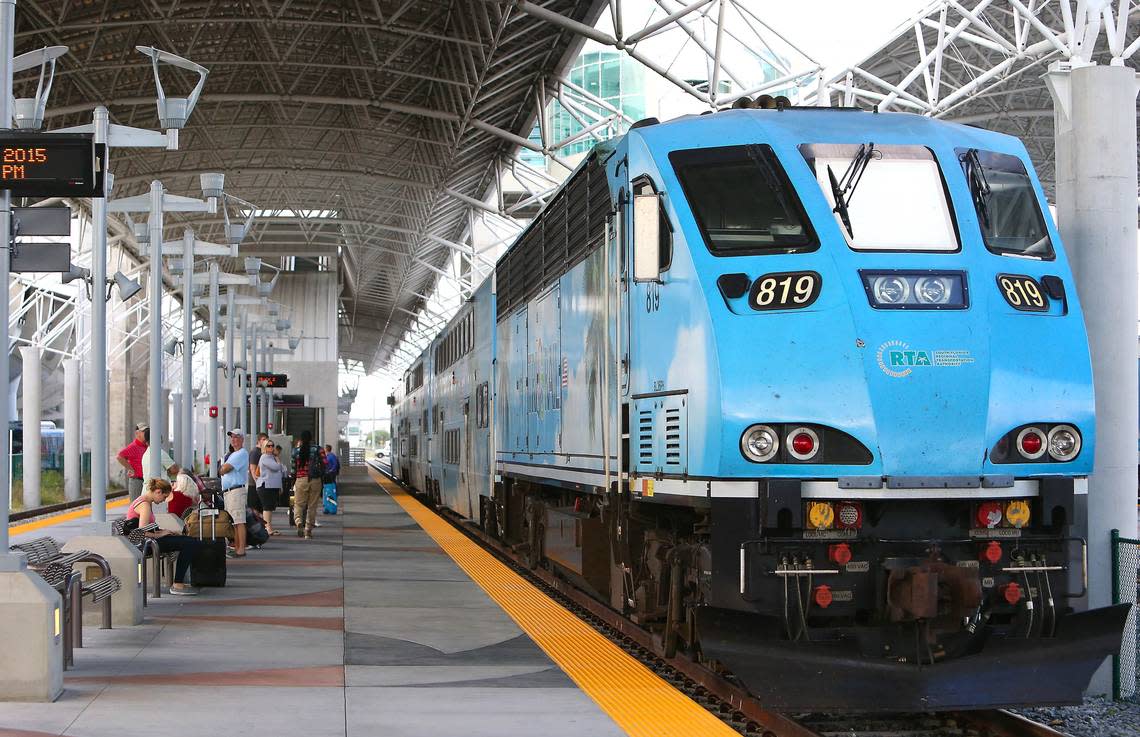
(989, 515)
(992, 552)
(803, 443)
(1031, 442)
(1012, 592)
(822, 596)
(839, 553)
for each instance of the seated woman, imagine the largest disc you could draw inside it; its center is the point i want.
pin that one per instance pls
(157, 491)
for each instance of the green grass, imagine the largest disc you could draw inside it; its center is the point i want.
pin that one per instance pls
(51, 490)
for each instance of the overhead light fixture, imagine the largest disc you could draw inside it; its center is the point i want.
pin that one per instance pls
(265, 288)
(284, 324)
(212, 183)
(293, 343)
(28, 112)
(252, 265)
(173, 111)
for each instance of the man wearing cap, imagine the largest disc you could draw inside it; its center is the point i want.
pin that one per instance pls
(235, 474)
(130, 458)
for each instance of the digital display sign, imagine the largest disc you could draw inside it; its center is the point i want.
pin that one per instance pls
(50, 165)
(272, 381)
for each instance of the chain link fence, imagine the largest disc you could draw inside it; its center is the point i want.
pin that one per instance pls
(1125, 562)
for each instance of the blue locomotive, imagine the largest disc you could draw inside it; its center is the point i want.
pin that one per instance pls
(806, 391)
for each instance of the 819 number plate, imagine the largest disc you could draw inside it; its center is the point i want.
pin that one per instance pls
(1023, 293)
(785, 291)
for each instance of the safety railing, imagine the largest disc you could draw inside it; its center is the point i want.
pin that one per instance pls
(1125, 562)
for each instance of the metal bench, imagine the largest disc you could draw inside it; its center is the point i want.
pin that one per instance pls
(47, 559)
(161, 563)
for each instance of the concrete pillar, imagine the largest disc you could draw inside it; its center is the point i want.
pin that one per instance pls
(1095, 116)
(31, 661)
(72, 431)
(30, 414)
(176, 419)
(162, 436)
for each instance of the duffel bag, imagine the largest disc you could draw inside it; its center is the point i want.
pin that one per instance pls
(210, 524)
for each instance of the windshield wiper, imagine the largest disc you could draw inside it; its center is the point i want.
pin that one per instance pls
(843, 189)
(979, 185)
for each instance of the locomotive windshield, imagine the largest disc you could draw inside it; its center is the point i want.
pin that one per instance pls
(900, 203)
(742, 200)
(1007, 207)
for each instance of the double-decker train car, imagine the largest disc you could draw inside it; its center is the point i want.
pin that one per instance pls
(806, 391)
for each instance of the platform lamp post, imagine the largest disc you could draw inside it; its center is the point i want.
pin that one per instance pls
(157, 202)
(172, 115)
(231, 282)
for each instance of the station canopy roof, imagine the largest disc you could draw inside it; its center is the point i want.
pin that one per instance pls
(360, 130)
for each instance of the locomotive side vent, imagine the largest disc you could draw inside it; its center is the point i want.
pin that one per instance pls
(673, 437)
(645, 437)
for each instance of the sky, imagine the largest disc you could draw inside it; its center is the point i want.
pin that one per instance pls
(835, 33)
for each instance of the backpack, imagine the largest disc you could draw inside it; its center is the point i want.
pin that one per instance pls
(316, 463)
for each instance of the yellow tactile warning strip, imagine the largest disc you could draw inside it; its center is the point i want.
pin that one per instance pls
(639, 701)
(59, 518)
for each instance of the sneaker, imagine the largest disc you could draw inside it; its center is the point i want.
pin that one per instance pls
(316, 523)
(183, 591)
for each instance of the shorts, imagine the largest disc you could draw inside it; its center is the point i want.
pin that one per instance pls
(270, 498)
(236, 501)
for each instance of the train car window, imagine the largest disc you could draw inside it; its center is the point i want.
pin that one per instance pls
(743, 201)
(885, 198)
(1008, 210)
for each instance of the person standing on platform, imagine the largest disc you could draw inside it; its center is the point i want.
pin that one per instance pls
(235, 476)
(254, 470)
(269, 484)
(332, 465)
(130, 458)
(308, 470)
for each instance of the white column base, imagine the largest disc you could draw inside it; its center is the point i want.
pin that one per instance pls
(31, 617)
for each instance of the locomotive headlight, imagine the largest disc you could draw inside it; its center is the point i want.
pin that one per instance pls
(933, 290)
(1064, 443)
(759, 443)
(891, 290)
(916, 290)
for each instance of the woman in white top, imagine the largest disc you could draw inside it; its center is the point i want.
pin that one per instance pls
(270, 471)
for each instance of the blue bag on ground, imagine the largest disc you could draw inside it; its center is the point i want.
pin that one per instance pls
(329, 494)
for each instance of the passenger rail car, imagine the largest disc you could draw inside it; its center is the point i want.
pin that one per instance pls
(807, 391)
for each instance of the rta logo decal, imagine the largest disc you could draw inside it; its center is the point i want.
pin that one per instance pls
(897, 359)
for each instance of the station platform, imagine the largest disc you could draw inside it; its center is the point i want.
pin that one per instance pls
(376, 626)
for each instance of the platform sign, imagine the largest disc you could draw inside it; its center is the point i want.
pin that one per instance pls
(40, 257)
(47, 221)
(272, 381)
(50, 165)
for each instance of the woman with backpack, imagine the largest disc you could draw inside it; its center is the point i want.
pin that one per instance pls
(309, 471)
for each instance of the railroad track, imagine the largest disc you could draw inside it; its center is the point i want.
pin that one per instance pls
(719, 694)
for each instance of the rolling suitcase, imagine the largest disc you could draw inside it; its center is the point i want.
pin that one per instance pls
(209, 565)
(328, 493)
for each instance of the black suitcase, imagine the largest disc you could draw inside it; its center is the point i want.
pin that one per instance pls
(209, 565)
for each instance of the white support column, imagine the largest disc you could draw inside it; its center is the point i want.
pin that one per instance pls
(176, 413)
(254, 391)
(1095, 114)
(72, 430)
(154, 384)
(245, 410)
(100, 410)
(214, 435)
(30, 415)
(231, 418)
(185, 451)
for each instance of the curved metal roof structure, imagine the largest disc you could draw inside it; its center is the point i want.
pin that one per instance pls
(367, 130)
(983, 63)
